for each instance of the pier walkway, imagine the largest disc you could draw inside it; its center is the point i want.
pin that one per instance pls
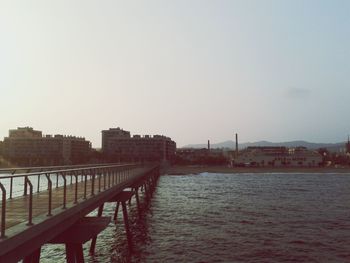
(38, 207)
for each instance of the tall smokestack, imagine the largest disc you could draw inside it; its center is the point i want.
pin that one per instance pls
(208, 145)
(236, 144)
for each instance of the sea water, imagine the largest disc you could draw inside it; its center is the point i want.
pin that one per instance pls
(232, 218)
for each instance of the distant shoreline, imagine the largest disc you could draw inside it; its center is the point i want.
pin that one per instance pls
(197, 169)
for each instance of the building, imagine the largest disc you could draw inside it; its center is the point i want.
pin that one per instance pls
(25, 132)
(119, 145)
(191, 155)
(26, 146)
(203, 156)
(278, 156)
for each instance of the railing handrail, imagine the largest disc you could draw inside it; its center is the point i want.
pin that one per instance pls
(67, 170)
(46, 168)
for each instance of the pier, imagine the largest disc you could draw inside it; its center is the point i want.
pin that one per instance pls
(54, 205)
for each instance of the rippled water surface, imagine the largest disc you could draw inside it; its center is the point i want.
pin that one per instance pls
(233, 218)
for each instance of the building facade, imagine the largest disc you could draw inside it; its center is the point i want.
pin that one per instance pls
(204, 156)
(119, 145)
(26, 146)
(279, 157)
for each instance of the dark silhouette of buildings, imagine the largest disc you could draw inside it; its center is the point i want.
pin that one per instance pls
(204, 156)
(119, 145)
(26, 146)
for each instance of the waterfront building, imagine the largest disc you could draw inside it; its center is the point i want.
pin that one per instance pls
(278, 156)
(191, 155)
(204, 156)
(119, 145)
(26, 146)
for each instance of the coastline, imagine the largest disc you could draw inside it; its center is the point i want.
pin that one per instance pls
(197, 169)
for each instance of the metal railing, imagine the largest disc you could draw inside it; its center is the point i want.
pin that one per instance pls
(92, 180)
(14, 170)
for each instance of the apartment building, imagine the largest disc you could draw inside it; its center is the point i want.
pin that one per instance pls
(119, 145)
(26, 146)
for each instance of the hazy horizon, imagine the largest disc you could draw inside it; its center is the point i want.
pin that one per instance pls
(211, 142)
(191, 70)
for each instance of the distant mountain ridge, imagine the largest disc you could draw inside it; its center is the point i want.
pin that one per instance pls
(231, 144)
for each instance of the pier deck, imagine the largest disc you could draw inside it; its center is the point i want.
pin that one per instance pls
(35, 218)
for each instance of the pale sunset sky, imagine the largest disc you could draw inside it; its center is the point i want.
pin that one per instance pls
(192, 70)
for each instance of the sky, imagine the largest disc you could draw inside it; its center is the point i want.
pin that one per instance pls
(192, 70)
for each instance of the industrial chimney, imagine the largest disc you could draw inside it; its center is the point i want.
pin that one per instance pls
(208, 145)
(236, 144)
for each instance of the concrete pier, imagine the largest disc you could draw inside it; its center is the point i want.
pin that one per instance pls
(47, 213)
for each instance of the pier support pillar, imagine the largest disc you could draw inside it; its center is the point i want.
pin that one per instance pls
(74, 253)
(74, 238)
(122, 198)
(93, 240)
(126, 224)
(34, 257)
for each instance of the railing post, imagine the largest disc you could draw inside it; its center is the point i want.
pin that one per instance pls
(104, 180)
(76, 188)
(11, 186)
(3, 211)
(38, 187)
(111, 175)
(49, 186)
(25, 186)
(56, 180)
(30, 212)
(85, 184)
(64, 190)
(109, 179)
(99, 182)
(92, 183)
